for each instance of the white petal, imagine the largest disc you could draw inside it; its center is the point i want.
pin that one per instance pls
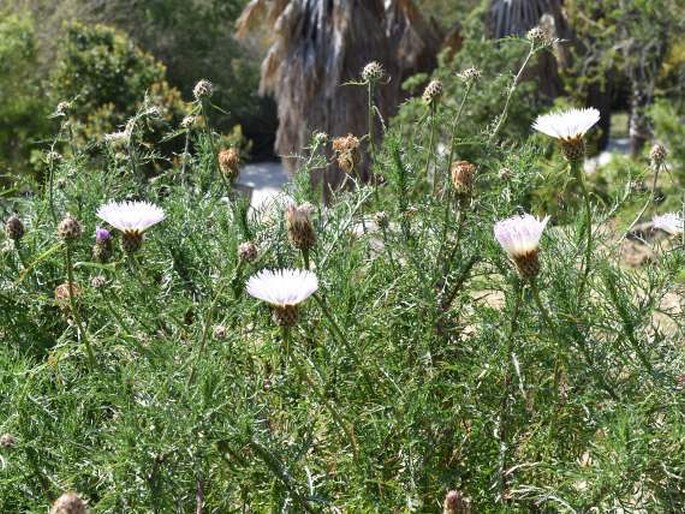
(282, 287)
(569, 124)
(131, 216)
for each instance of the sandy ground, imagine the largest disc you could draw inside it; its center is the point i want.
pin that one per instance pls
(263, 181)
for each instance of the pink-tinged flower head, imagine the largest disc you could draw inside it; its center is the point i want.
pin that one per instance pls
(520, 236)
(671, 223)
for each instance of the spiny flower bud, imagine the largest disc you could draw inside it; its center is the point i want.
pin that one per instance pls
(455, 503)
(102, 249)
(14, 228)
(505, 174)
(189, 122)
(382, 220)
(203, 89)
(462, 178)
(319, 138)
(98, 282)
(62, 109)
(433, 92)
(229, 163)
(69, 503)
(7, 441)
(538, 35)
(373, 72)
(247, 252)
(220, 332)
(69, 228)
(53, 157)
(658, 155)
(470, 75)
(300, 229)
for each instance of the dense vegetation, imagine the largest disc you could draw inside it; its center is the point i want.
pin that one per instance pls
(431, 358)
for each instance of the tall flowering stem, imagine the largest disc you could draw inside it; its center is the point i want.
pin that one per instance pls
(569, 128)
(73, 306)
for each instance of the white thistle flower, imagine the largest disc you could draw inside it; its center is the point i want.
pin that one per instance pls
(283, 287)
(132, 219)
(520, 236)
(567, 125)
(671, 223)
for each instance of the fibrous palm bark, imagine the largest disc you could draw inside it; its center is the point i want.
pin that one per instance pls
(316, 46)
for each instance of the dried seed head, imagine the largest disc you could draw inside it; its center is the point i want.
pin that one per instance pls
(247, 252)
(69, 503)
(462, 178)
(69, 228)
(382, 220)
(220, 332)
(63, 294)
(470, 75)
(658, 155)
(14, 228)
(373, 72)
(7, 441)
(456, 503)
(229, 163)
(433, 92)
(347, 151)
(300, 228)
(203, 89)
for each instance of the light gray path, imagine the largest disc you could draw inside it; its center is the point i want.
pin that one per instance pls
(264, 179)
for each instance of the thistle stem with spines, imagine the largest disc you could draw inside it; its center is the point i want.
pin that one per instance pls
(74, 309)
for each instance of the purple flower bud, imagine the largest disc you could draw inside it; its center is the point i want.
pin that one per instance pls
(102, 235)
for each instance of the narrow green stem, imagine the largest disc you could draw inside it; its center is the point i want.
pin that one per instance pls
(518, 292)
(577, 170)
(431, 142)
(338, 334)
(453, 138)
(510, 94)
(74, 310)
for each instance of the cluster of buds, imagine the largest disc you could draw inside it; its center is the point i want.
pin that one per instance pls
(300, 228)
(102, 249)
(373, 72)
(433, 92)
(229, 164)
(347, 152)
(69, 503)
(203, 89)
(462, 178)
(69, 229)
(14, 228)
